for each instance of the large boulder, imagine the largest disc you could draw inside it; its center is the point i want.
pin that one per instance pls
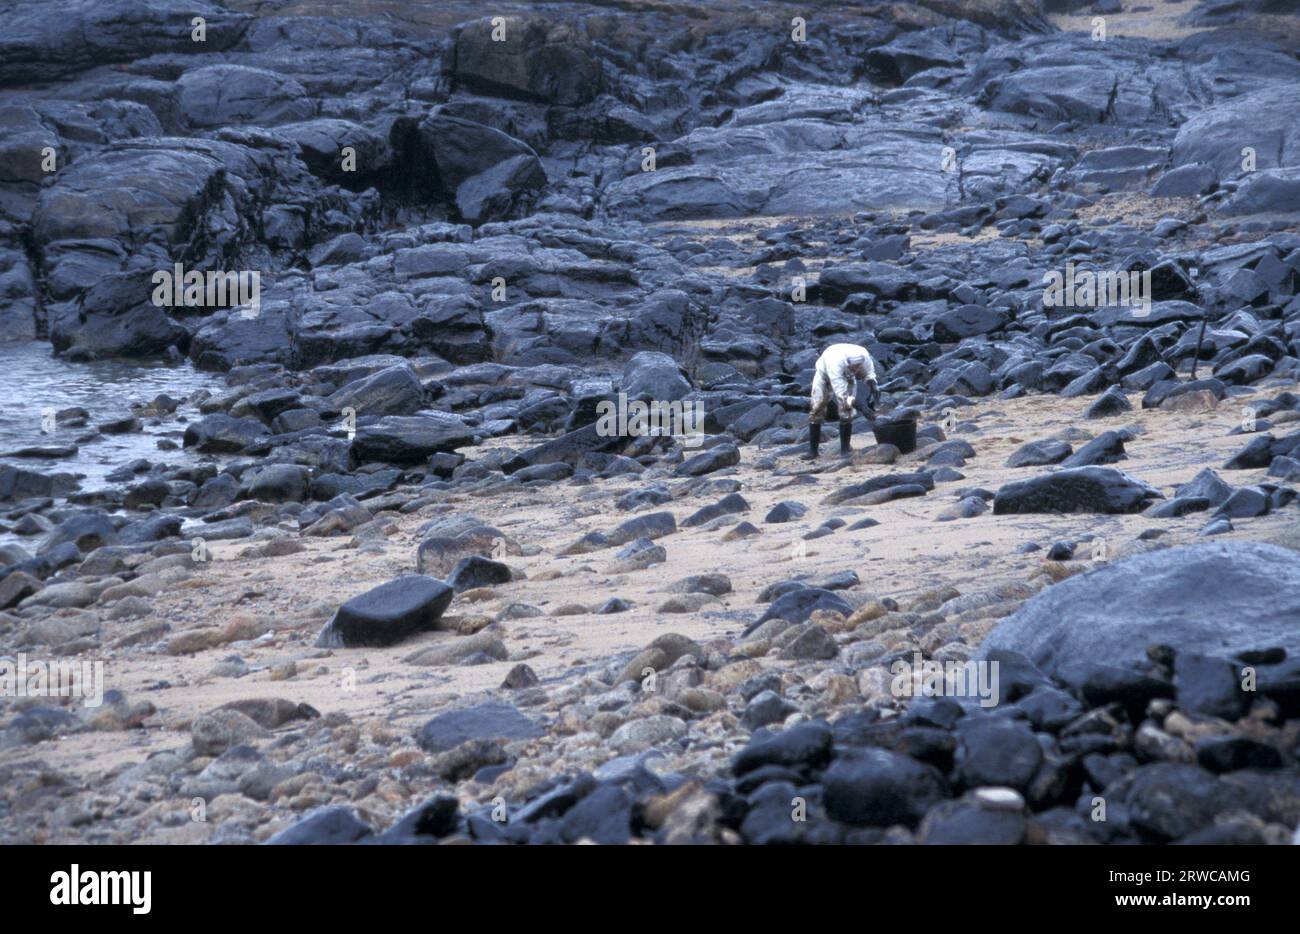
(1267, 191)
(1217, 599)
(1078, 93)
(219, 95)
(462, 148)
(485, 172)
(1262, 119)
(128, 192)
(320, 144)
(529, 58)
(139, 331)
(46, 41)
(392, 391)
(111, 220)
(654, 375)
(795, 166)
(501, 190)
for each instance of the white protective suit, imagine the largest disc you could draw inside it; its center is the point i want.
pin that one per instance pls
(838, 370)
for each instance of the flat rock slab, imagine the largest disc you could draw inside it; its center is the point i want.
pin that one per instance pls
(1076, 489)
(388, 614)
(1215, 599)
(408, 440)
(491, 720)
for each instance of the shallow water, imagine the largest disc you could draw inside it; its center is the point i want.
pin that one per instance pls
(33, 380)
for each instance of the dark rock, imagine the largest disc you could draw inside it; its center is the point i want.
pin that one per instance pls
(1168, 800)
(1107, 684)
(1230, 753)
(1206, 485)
(786, 511)
(653, 525)
(958, 823)
(730, 504)
(86, 530)
(392, 391)
(878, 788)
(220, 95)
(807, 745)
(718, 457)
(520, 676)
(1109, 403)
(604, 817)
(275, 483)
(796, 606)
(489, 720)
(968, 321)
(326, 826)
(408, 440)
(655, 376)
(1106, 448)
(1220, 598)
(715, 584)
(1244, 503)
(431, 820)
(477, 571)
(923, 479)
(1210, 686)
(1040, 453)
(387, 614)
(996, 752)
(568, 448)
(1078, 489)
(765, 708)
(221, 434)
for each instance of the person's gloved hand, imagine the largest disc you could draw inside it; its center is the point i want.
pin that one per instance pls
(873, 393)
(860, 402)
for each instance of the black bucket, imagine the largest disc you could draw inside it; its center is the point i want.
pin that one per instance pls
(901, 433)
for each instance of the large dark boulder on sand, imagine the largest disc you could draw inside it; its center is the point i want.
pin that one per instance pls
(1216, 599)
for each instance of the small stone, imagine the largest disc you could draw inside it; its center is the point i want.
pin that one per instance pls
(1000, 799)
(741, 531)
(520, 676)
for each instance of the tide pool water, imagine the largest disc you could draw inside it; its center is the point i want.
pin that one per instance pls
(33, 380)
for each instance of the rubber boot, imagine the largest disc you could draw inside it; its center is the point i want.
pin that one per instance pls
(846, 432)
(814, 441)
